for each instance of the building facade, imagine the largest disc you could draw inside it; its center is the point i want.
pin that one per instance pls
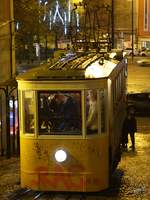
(143, 31)
(125, 23)
(7, 58)
(8, 91)
(132, 23)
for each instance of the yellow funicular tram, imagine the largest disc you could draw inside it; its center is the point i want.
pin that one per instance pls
(71, 115)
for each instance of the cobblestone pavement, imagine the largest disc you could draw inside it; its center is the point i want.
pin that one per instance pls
(131, 180)
(135, 183)
(9, 176)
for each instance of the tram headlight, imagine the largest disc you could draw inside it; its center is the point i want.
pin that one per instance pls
(60, 155)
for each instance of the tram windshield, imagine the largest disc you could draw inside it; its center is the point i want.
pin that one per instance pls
(29, 116)
(59, 112)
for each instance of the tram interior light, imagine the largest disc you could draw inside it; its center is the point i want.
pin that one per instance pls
(60, 155)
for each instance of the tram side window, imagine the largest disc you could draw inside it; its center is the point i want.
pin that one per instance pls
(102, 107)
(91, 112)
(28, 105)
(59, 112)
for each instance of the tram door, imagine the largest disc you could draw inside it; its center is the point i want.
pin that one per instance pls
(97, 134)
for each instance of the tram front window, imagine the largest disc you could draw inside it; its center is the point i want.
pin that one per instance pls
(29, 117)
(59, 112)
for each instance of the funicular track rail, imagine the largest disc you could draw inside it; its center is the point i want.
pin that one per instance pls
(27, 194)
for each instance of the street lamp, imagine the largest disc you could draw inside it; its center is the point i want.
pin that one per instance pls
(132, 27)
(112, 22)
(132, 14)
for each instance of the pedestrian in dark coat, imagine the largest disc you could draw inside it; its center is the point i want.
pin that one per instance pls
(125, 133)
(132, 129)
(129, 127)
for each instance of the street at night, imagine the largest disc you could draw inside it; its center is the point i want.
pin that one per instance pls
(74, 100)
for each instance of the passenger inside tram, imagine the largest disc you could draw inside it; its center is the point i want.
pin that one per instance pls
(29, 112)
(61, 112)
(92, 114)
(66, 112)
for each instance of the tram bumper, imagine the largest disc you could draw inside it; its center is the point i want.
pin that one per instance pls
(84, 182)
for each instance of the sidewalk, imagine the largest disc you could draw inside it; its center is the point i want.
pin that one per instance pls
(9, 176)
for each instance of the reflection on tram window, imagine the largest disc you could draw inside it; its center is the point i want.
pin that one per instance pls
(59, 112)
(28, 104)
(92, 114)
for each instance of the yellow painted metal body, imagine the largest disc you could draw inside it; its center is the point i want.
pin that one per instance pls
(90, 157)
(86, 167)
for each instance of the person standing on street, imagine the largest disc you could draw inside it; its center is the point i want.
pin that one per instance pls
(132, 127)
(129, 127)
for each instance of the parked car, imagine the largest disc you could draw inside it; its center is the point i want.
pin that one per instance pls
(144, 62)
(128, 52)
(145, 53)
(140, 102)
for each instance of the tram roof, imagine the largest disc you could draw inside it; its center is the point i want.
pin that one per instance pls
(74, 66)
